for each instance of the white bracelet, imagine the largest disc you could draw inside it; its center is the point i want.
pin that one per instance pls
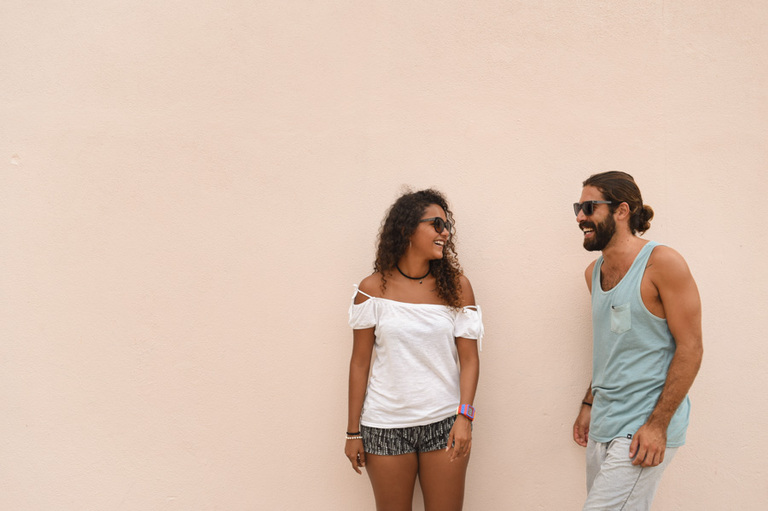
(355, 437)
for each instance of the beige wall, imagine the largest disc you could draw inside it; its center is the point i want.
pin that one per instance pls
(190, 189)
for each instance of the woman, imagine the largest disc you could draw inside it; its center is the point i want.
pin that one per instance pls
(417, 312)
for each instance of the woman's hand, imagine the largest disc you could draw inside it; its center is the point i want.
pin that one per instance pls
(356, 454)
(460, 438)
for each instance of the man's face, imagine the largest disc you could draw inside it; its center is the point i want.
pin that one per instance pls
(600, 226)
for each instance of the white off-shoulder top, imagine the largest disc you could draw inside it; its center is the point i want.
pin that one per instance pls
(415, 375)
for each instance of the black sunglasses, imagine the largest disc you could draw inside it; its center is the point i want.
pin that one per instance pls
(439, 224)
(588, 206)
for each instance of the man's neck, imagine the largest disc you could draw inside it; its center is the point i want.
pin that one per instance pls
(622, 250)
(618, 257)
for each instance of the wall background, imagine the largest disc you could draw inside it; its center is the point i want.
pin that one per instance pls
(190, 189)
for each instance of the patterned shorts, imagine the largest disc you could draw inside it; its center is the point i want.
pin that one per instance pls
(394, 441)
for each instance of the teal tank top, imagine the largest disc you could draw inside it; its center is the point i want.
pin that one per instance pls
(631, 354)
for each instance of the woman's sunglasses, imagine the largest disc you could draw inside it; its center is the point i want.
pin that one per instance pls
(439, 224)
(588, 207)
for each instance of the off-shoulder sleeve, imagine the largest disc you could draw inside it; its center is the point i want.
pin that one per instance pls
(362, 315)
(469, 324)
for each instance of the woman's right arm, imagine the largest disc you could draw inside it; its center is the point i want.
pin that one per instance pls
(359, 367)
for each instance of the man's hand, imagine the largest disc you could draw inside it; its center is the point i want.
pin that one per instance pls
(581, 426)
(648, 445)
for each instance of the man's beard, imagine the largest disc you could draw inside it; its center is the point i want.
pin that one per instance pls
(603, 234)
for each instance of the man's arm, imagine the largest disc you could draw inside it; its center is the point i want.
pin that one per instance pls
(679, 297)
(581, 426)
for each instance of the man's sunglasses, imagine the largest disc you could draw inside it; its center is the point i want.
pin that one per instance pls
(588, 206)
(439, 224)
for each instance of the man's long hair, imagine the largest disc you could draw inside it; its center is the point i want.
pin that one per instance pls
(619, 187)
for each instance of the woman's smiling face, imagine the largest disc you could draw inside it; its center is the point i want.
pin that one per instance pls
(426, 241)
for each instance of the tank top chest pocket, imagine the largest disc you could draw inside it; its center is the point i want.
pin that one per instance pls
(621, 318)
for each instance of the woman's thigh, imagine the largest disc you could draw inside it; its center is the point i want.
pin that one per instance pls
(393, 479)
(442, 481)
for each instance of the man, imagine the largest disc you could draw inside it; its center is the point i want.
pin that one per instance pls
(646, 320)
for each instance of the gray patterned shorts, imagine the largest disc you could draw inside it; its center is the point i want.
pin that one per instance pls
(394, 441)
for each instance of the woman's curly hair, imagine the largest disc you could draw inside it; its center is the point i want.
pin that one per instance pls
(394, 238)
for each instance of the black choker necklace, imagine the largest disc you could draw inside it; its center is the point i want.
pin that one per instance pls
(420, 279)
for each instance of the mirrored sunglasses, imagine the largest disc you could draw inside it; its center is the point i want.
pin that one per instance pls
(588, 206)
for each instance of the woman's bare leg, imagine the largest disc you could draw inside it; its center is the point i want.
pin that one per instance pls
(393, 479)
(442, 481)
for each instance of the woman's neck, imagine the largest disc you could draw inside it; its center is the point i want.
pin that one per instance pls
(413, 267)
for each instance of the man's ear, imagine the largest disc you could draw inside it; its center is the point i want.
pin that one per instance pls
(622, 211)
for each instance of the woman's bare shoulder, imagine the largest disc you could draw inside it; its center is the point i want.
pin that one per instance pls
(370, 285)
(467, 293)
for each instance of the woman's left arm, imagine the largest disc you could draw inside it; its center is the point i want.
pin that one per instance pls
(460, 438)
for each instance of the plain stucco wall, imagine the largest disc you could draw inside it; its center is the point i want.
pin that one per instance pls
(190, 189)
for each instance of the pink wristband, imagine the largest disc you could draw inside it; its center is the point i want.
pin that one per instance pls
(467, 411)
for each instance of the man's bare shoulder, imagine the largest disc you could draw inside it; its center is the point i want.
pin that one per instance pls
(667, 263)
(664, 256)
(588, 274)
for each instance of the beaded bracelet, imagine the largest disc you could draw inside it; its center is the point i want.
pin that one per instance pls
(354, 436)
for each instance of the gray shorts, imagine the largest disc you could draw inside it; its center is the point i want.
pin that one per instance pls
(394, 441)
(613, 482)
